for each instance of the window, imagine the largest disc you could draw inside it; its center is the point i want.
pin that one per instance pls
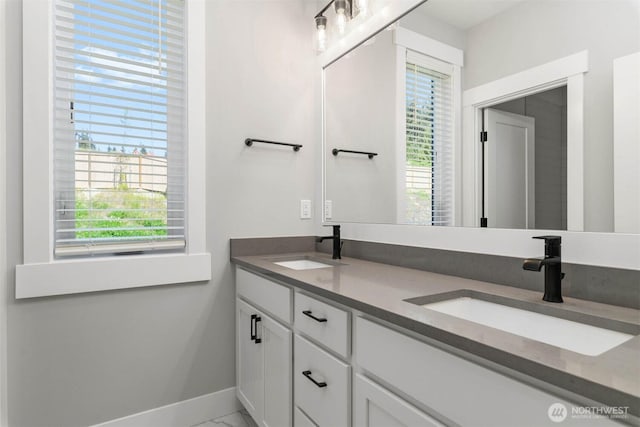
(429, 135)
(111, 45)
(429, 141)
(119, 161)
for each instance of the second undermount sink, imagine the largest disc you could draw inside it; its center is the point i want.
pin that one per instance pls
(304, 263)
(581, 333)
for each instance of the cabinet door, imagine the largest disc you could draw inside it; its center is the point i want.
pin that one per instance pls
(375, 406)
(249, 366)
(277, 359)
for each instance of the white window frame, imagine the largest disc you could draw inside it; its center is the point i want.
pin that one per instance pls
(407, 39)
(42, 275)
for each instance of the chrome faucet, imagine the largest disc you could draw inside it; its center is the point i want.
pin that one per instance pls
(337, 244)
(552, 263)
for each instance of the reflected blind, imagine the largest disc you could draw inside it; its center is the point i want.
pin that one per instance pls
(429, 141)
(119, 126)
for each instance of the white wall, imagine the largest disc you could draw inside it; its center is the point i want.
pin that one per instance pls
(536, 32)
(360, 107)
(3, 259)
(420, 22)
(82, 359)
(626, 143)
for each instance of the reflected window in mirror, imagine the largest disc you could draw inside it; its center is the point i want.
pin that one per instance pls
(428, 169)
(397, 95)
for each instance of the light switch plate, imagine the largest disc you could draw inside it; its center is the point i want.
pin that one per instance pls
(328, 209)
(305, 209)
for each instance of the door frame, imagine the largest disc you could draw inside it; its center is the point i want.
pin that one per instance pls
(567, 71)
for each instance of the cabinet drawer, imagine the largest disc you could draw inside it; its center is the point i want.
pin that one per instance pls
(324, 323)
(270, 296)
(463, 391)
(321, 385)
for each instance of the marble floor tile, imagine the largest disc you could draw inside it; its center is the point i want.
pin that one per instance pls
(236, 419)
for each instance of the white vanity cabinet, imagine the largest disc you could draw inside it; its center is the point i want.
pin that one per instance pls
(322, 370)
(264, 349)
(451, 387)
(302, 361)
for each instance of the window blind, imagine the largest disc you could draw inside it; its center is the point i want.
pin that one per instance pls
(429, 141)
(119, 126)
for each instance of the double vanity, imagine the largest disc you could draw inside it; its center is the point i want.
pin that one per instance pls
(344, 342)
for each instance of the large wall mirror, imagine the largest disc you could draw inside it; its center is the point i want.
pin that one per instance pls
(405, 115)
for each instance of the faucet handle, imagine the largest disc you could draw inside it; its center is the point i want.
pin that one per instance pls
(551, 245)
(549, 238)
(336, 227)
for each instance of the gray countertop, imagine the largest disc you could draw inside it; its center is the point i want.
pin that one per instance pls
(612, 378)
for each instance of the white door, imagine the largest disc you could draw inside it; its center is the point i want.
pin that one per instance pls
(509, 175)
(375, 406)
(277, 359)
(249, 367)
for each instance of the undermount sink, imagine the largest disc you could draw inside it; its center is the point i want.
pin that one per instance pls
(304, 263)
(581, 333)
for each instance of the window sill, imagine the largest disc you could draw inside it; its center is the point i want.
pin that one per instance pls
(104, 274)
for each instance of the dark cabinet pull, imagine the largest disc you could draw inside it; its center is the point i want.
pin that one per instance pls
(253, 319)
(317, 319)
(254, 328)
(256, 339)
(308, 375)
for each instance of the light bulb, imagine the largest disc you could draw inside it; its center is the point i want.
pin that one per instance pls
(341, 15)
(322, 39)
(321, 27)
(341, 22)
(363, 8)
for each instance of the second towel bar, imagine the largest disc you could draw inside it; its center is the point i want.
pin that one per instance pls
(249, 142)
(335, 152)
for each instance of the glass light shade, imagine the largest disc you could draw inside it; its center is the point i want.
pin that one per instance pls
(341, 15)
(363, 7)
(341, 21)
(321, 33)
(321, 39)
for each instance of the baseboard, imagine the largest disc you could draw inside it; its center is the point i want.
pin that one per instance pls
(182, 414)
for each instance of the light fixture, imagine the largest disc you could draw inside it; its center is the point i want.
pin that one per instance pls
(341, 15)
(321, 28)
(345, 10)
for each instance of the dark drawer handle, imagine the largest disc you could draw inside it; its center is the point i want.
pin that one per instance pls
(317, 319)
(254, 328)
(308, 375)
